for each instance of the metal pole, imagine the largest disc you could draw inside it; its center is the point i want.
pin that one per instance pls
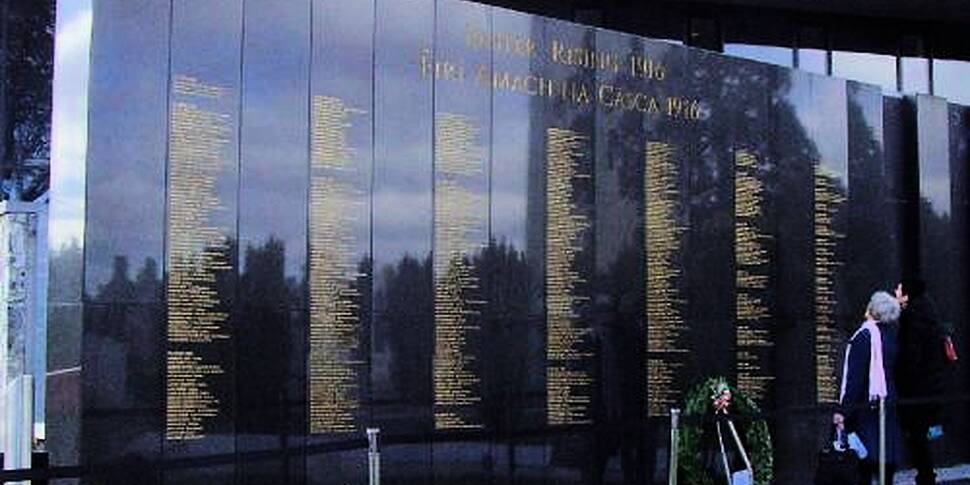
(674, 445)
(882, 441)
(373, 457)
(724, 458)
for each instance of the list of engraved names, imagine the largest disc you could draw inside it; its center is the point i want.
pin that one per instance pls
(198, 258)
(664, 241)
(461, 230)
(338, 190)
(752, 273)
(829, 201)
(568, 377)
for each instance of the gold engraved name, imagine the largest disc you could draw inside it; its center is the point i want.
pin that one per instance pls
(829, 201)
(664, 241)
(460, 230)
(752, 336)
(567, 379)
(197, 257)
(337, 193)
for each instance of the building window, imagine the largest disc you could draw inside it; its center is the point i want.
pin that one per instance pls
(813, 60)
(779, 56)
(812, 53)
(950, 80)
(914, 75)
(878, 69)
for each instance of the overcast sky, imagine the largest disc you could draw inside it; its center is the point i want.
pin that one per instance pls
(69, 123)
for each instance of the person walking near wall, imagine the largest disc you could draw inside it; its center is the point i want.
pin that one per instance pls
(869, 374)
(920, 371)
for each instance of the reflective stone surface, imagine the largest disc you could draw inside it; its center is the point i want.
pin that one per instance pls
(938, 265)
(126, 161)
(875, 256)
(940, 231)
(66, 241)
(273, 238)
(511, 243)
(936, 237)
(899, 122)
(123, 414)
(960, 173)
(403, 332)
(620, 275)
(203, 183)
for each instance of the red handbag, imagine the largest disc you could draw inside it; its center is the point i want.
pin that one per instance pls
(950, 350)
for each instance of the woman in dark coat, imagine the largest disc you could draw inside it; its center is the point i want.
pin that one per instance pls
(869, 373)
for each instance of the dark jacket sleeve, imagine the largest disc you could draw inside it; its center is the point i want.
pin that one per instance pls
(921, 366)
(857, 381)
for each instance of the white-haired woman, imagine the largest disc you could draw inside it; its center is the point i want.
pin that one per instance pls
(868, 374)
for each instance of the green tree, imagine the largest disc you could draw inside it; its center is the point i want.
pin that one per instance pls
(26, 70)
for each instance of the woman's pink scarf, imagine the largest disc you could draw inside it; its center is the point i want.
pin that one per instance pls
(877, 373)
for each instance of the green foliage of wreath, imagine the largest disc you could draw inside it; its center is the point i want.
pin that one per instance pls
(757, 439)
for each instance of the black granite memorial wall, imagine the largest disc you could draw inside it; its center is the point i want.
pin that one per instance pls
(273, 267)
(511, 243)
(123, 341)
(960, 171)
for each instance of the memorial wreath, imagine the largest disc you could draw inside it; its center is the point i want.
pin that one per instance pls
(715, 396)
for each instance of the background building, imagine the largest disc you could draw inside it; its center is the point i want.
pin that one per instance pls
(903, 46)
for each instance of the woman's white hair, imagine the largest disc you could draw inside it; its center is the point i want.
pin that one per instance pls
(883, 307)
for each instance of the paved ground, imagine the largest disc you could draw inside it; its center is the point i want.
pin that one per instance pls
(947, 482)
(958, 475)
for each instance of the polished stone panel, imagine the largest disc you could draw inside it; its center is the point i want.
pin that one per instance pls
(795, 152)
(66, 242)
(462, 162)
(960, 153)
(938, 264)
(960, 190)
(64, 330)
(899, 122)
(339, 234)
(403, 332)
(709, 267)
(341, 161)
(899, 129)
(513, 264)
(875, 258)
(119, 358)
(619, 281)
(201, 261)
(665, 155)
(561, 137)
(123, 414)
(567, 147)
(936, 237)
(126, 149)
(274, 153)
(834, 318)
(747, 121)
(512, 268)
(831, 138)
